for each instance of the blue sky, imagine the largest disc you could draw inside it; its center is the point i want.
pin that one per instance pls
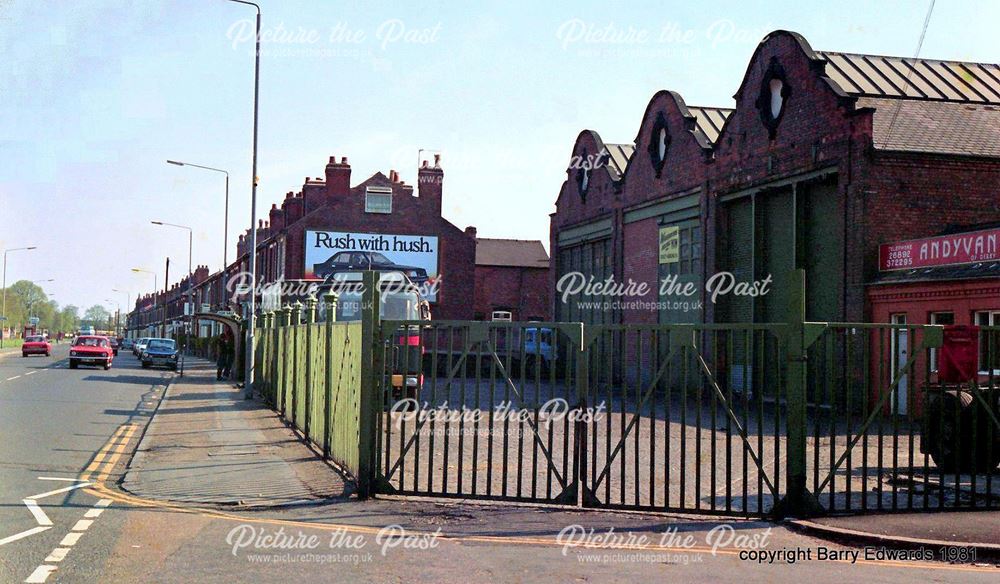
(95, 96)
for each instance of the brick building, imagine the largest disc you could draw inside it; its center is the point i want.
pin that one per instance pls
(512, 275)
(382, 222)
(824, 157)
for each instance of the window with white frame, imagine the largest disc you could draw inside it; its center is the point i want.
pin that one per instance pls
(378, 200)
(989, 341)
(942, 318)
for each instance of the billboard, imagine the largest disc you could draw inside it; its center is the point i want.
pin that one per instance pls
(944, 250)
(330, 252)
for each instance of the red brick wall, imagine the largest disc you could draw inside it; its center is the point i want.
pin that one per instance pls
(523, 291)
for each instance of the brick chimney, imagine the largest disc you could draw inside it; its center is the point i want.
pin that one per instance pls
(277, 218)
(470, 231)
(292, 206)
(338, 178)
(429, 181)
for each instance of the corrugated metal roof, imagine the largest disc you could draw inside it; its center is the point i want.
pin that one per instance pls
(923, 79)
(618, 156)
(516, 253)
(710, 120)
(935, 127)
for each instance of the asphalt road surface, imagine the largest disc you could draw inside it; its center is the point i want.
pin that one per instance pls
(61, 428)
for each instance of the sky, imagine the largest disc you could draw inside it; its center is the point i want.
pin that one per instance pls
(96, 96)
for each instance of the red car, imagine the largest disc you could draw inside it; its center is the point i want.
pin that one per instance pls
(91, 350)
(37, 345)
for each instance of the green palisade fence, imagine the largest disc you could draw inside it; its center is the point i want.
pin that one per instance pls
(310, 373)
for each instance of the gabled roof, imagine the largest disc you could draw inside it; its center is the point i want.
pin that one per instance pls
(710, 120)
(618, 157)
(922, 79)
(516, 253)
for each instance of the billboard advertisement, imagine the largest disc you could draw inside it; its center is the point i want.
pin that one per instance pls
(944, 250)
(330, 252)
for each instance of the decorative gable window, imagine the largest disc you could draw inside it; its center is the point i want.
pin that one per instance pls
(774, 92)
(378, 200)
(583, 176)
(659, 143)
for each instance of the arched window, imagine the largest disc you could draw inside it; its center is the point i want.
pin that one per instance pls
(773, 97)
(659, 143)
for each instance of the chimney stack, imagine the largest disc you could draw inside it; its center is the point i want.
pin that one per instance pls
(277, 218)
(338, 178)
(471, 231)
(429, 184)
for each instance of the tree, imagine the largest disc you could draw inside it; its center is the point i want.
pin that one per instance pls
(69, 318)
(96, 316)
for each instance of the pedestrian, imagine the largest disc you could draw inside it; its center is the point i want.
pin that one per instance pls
(224, 355)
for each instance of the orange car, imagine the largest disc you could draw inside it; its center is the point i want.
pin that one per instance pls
(36, 345)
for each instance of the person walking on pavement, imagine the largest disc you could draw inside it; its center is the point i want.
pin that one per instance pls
(224, 352)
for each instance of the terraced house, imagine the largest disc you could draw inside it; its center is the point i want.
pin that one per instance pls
(824, 157)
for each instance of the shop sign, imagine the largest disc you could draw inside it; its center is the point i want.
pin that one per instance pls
(944, 250)
(670, 245)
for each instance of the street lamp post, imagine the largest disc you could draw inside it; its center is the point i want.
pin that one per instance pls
(156, 286)
(190, 288)
(4, 283)
(225, 227)
(248, 358)
(128, 302)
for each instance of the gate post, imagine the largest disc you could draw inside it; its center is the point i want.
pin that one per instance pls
(285, 319)
(310, 320)
(798, 501)
(330, 299)
(370, 400)
(296, 347)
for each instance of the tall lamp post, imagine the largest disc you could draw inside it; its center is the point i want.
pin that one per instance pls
(156, 287)
(248, 358)
(190, 288)
(225, 227)
(128, 302)
(6, 251)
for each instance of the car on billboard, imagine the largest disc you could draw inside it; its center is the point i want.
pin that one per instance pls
(352, 261)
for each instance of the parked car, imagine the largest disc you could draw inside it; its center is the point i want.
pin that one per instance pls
(139, 346)
(127, 344)
(36, 345)
(86, 330)
(114, 345)
(91, 350)
(160, 352)
(353, 261)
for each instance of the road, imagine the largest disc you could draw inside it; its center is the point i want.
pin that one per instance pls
(60, 427)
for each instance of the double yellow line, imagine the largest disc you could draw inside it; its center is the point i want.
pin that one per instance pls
(107, 457)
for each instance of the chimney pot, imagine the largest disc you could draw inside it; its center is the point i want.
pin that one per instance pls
(333, 160)
(343, 160)
(423, 164)
(437, 161)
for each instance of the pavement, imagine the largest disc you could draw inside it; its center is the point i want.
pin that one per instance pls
(206, 444)
(76, 441)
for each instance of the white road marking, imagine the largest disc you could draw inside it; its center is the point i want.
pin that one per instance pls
(92, 513)
(13, 378)
(62, 490)
(82, 525)
(31, 373)
(72, 480)
(40, 517)
(103, 503)
(70, 539)
(41, 574)
(23, 534)
(57, 555)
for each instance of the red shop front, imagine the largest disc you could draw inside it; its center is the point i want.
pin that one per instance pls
(951, 279)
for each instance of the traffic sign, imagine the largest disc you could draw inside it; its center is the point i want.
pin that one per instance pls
(3, 318)
(33, 320)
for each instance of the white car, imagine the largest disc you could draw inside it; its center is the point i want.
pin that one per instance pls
(140, 346)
